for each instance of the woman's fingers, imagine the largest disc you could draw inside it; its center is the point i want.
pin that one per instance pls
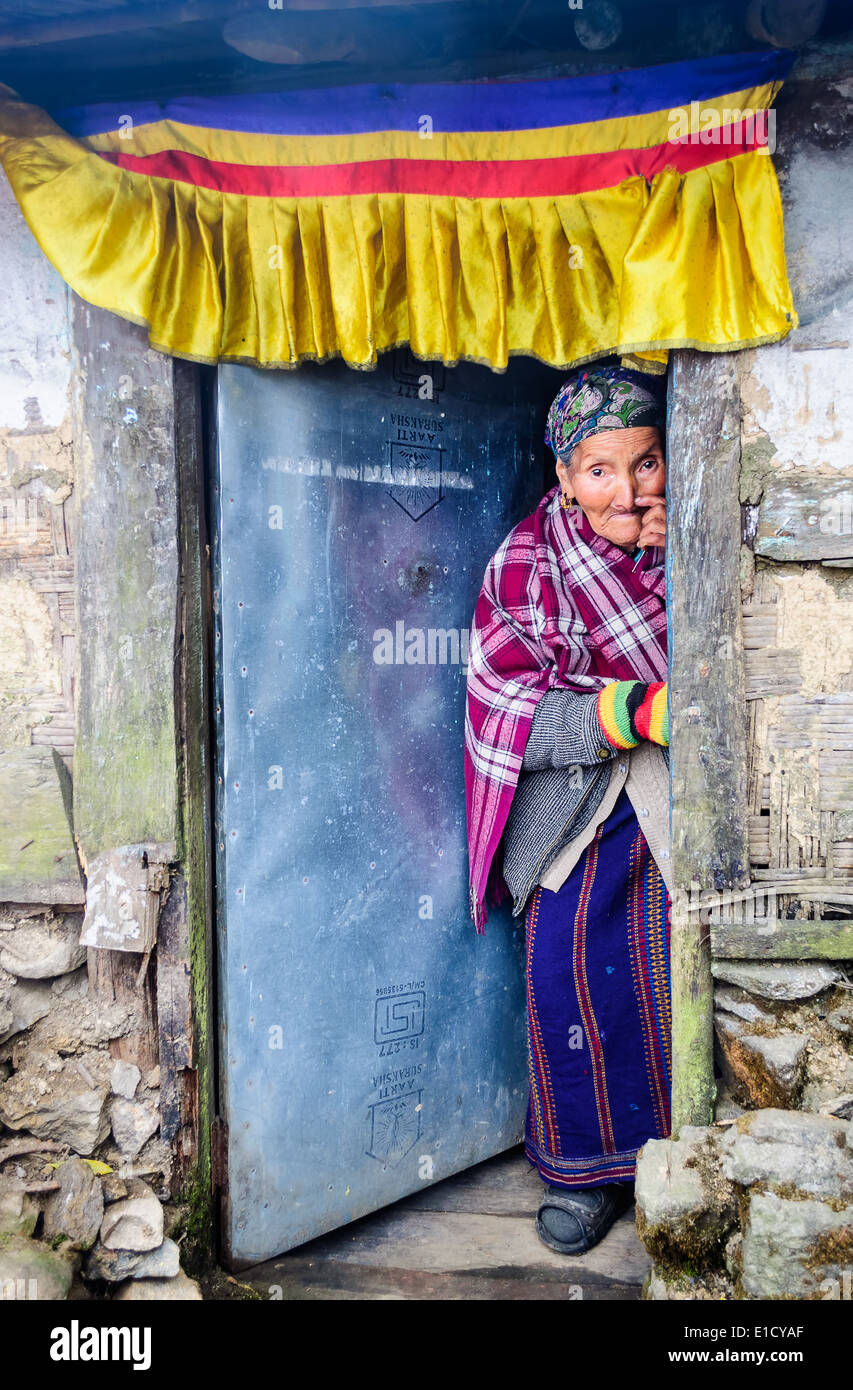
(653, 528)
(652, 534)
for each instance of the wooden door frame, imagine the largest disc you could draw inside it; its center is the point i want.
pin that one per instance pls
(707, 693)
(142, 769)
(708, 720)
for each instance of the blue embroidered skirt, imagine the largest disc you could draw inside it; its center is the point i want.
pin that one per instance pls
(598, 1011)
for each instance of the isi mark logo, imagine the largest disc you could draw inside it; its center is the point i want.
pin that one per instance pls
(395, 1116)
(416, 471)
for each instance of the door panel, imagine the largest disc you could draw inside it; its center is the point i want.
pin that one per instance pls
(371, 1042)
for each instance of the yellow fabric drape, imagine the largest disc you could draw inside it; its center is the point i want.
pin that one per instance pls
(691, 260)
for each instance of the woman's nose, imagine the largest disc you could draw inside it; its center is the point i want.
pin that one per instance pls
(624, 494)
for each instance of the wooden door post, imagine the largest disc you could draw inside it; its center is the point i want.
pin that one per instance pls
(710, 846)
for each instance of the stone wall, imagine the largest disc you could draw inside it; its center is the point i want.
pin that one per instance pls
(86, 1184)
(760, 1204)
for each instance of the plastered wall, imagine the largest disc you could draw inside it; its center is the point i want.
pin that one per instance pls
(36, 576)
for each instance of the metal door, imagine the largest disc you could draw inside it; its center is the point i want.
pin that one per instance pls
(370, 1041)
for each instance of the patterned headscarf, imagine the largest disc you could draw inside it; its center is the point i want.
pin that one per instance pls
(603, 398)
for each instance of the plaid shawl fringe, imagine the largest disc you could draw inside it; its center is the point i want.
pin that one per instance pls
(560, 606)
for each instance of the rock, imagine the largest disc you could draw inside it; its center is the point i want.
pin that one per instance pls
(733, 1255)
(829, 1074)
(760, 1069)
(137, 1187)
(772, 981)
(124, 1079)
(53, 1099)
(791, 1248)
(114, 1187)
(31, 1270)
(685, 1205)
(841, 1020)
(841, 1107)
(22, 1003)
(163, 1263)
(116, 1265)
(725, 1106)
(134, 1223)
(73, 987)
(38, 948)
(665, 1285)
(132, 1124)
(152, 1080)
(74, 1024)
(18, 1213)
(783, 1057)
(181, 1288)
(790, 1148)
(77, 1209)
(738, 1002)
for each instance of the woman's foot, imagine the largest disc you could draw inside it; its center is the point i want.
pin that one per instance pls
(573, 1220)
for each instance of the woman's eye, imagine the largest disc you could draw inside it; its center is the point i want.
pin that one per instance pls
(596, 472)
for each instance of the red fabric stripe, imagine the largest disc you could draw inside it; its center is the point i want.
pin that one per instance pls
(508, 178)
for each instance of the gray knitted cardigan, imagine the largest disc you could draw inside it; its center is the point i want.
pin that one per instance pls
(565, 773)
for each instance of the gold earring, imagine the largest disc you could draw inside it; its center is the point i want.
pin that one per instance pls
(566, 501)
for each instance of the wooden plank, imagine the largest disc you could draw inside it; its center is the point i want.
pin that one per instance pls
(38, 862)
(825, 940)
(451, 1241)
(123, 894)
(805, 518)
(707, 684)
(710, 825)
(185, 951)
(305, 1279)
(125, 780)
(114, 977)
(442, 1243)
(505, 1186)
(174, 1011)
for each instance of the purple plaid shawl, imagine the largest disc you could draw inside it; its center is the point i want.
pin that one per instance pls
(560, 607)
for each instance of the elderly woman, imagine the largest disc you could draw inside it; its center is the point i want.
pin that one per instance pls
(567, 782)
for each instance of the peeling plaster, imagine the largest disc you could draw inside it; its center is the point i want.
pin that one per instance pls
(792, 398)
(35, 345)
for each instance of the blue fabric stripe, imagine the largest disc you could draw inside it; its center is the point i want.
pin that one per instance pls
(453, 107)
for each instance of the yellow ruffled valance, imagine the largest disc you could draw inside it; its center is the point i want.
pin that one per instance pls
(678, 259)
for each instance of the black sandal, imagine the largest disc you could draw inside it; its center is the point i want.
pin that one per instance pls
(591, 1212)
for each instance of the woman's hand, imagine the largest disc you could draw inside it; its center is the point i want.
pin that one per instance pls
(653, 528)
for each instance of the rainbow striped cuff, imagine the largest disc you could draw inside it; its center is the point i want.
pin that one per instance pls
(652, 717)
(615, 715)
(631, 710)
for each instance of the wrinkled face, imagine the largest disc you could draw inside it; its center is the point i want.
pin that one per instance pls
(608, 471)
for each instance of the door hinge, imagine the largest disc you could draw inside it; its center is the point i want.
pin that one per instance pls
(219, 1153)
